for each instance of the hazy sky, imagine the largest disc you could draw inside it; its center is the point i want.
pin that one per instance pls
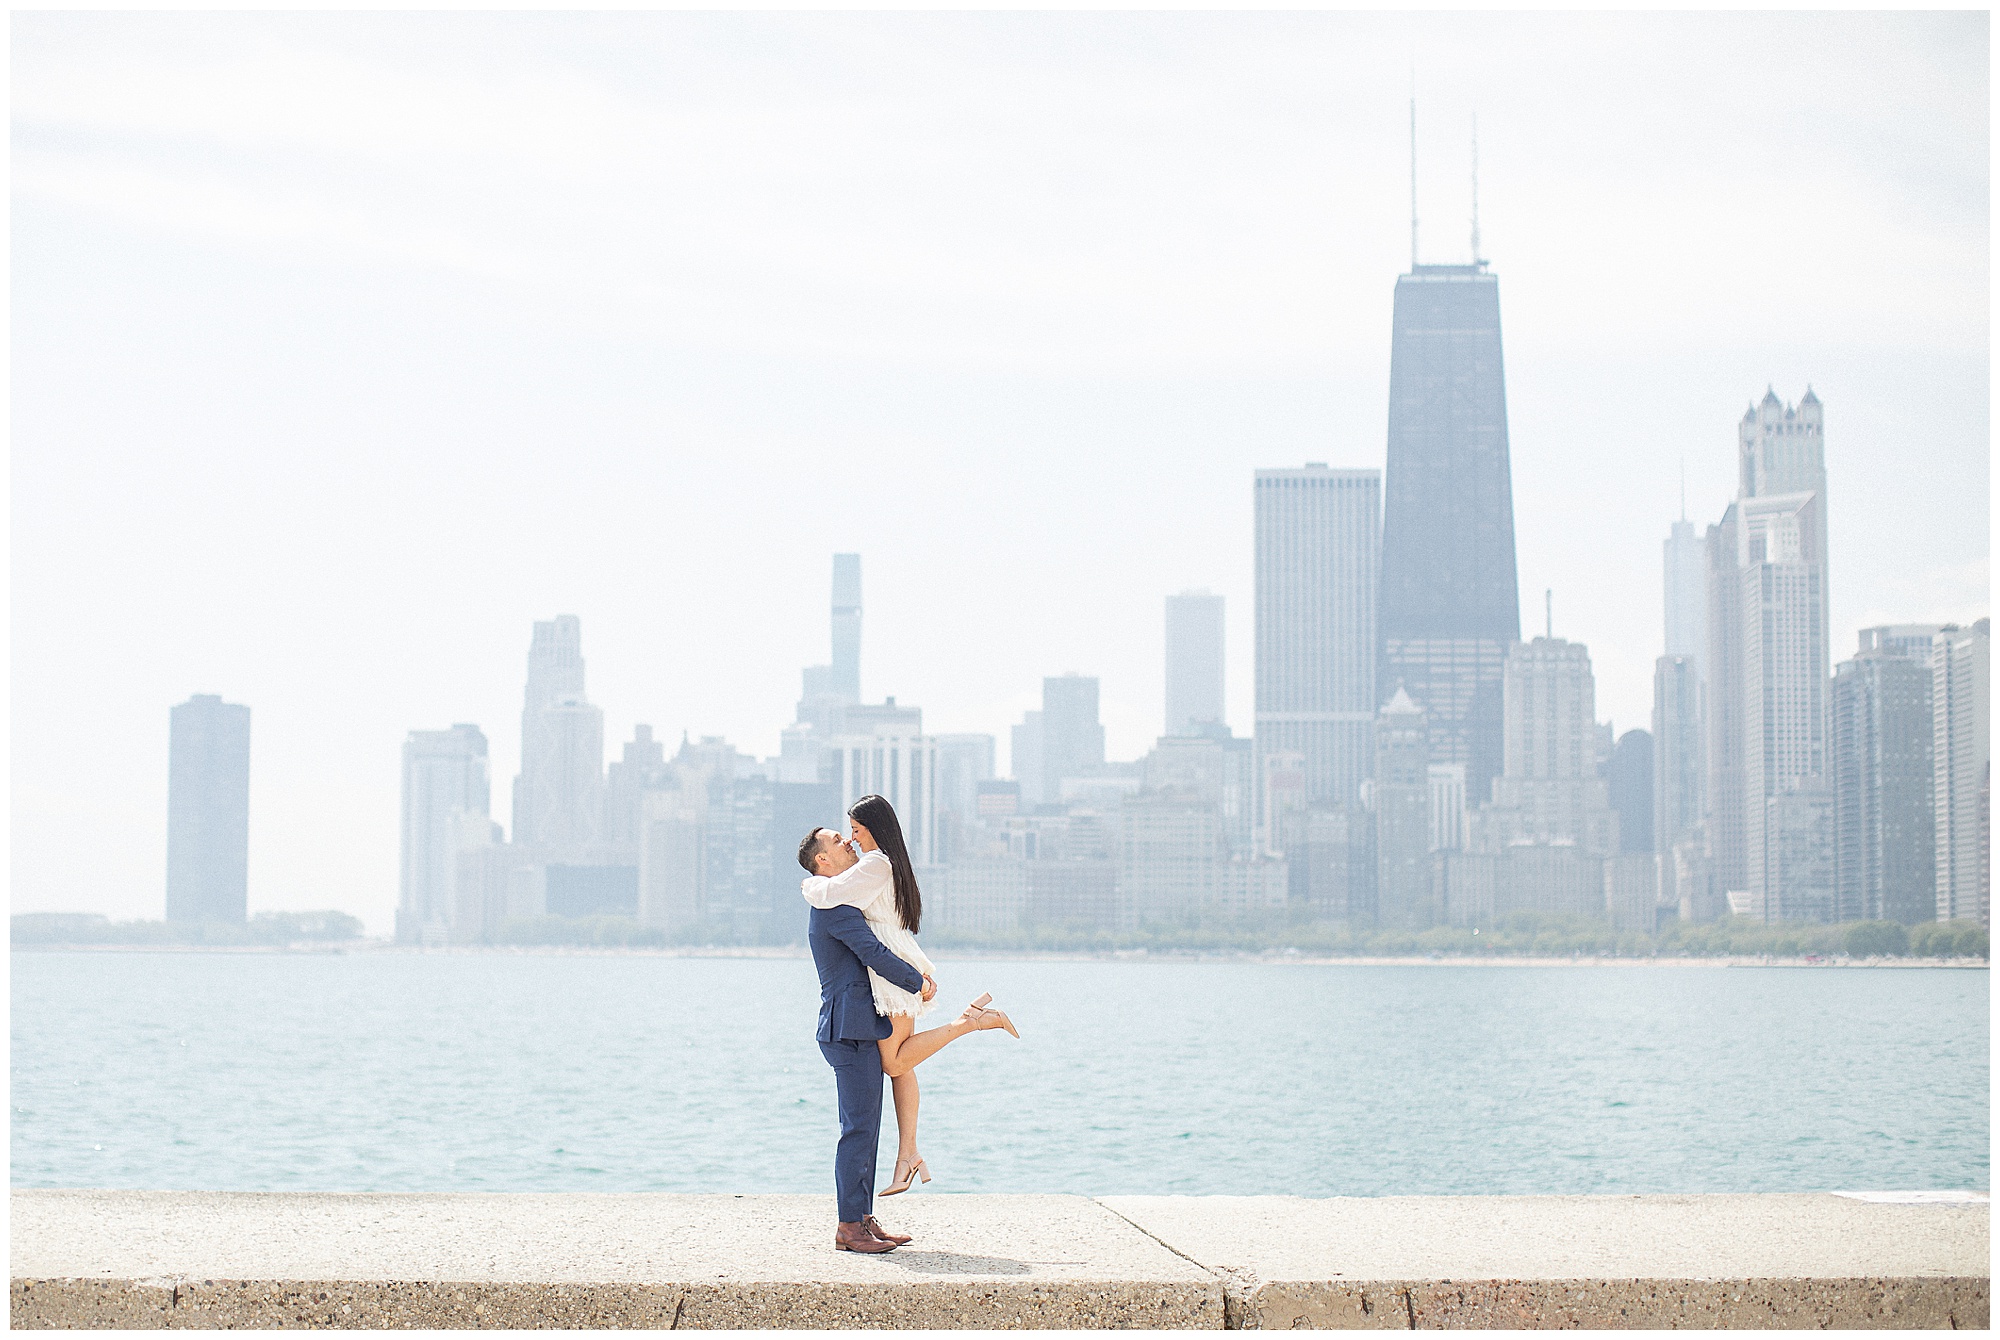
(345, 347)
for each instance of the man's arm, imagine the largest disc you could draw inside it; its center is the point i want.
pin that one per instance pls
(851, 929)
(857, 886)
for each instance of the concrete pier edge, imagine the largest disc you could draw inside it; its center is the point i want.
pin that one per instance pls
(124, 1259)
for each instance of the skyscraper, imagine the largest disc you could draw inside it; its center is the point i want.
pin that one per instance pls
(1402, 800)
(208, 810)
(1961, 761)
(1788, 836)
(1679, 781)
(1194, 661)
(1450, 607)
(444, 782)
(1072, 738)
(1769, 802)
(1550, 792)
(1884, 862)
(830, 689)
(1318, 551)
(559, 794)
(1629, 775)
(1685, 568)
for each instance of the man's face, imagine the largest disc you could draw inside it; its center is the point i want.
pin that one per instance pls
(834, 855)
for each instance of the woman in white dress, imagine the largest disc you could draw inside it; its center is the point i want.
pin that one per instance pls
(883, 885)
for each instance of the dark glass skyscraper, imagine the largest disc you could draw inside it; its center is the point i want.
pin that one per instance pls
(1450, 605)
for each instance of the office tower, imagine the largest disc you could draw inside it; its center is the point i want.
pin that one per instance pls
(1402, 800)
(1686, 570)
(1782, 604)
(1449, 825)
(1678, 775)
(1550, 792)
(444, 782)
(1194, 661)
(1770, 820)
(1449, 605)
(559, 794)
(829, 689)
(1884, 860)
(208, 810)
(1072, 738)
(1629, 777)
(1317, 573)
(1912, 641)
(1961, 771)
(625, 784)
(846, 680)
(1026, 757)
(963, 762)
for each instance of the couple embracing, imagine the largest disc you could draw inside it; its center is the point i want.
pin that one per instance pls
(874, 984)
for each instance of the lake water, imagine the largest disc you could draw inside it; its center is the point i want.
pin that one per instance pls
(402, 1071)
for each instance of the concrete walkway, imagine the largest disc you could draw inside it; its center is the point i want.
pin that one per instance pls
(205, 1259)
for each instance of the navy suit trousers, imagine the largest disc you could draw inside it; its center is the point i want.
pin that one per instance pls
(857, 1073)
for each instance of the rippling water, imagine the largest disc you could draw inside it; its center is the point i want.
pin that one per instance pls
(552, 1072)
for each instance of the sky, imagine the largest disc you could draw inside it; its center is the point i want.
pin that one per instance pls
(346, 346)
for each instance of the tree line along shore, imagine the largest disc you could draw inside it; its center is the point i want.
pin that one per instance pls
(1521, 934)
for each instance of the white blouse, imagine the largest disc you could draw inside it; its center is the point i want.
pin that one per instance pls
(860, 885)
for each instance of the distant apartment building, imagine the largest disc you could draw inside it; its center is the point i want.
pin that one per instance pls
(1961, 722)
(1318, 574)
(1549, 790)
(1678, 786)
(559, 794)
(1062, 740)
(1883, 801)
(446, 800)
(1401, 797)
(1194, 662)
(208, 810)
(1769, 801)
(1628, 776)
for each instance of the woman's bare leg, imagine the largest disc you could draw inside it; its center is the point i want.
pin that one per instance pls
(903, 1085)
(904, 1089)
(903, 1051)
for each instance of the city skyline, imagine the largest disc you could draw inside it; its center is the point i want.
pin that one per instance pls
(223, 576)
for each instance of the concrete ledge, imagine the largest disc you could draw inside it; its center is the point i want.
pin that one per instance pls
(120, 1259)
(211, 1259)
(1601, 1262)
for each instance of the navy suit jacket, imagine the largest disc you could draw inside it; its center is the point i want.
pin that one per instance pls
(843, 950)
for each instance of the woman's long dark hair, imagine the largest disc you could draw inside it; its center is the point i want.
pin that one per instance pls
(878, 816)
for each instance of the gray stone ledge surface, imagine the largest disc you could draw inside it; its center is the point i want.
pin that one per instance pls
(214, 1259)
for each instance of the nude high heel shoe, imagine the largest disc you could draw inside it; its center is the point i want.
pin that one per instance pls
(905, 1174)
(980, 1014)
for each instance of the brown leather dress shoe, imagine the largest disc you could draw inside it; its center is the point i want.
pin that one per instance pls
(856, 1238)
(875, 1227)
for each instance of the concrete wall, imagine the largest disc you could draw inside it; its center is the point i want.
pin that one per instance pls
(214, 1259)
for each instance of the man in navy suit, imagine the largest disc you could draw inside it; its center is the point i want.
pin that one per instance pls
(843, 949)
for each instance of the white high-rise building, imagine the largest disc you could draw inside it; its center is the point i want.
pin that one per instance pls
(445, 784)
(1769, 800)
(1788, 835)
(1318, 573)
(1194, 662)
(1550, 791)
(559, 795)
(1961, 753)
(1448, 812)
(1686, 569)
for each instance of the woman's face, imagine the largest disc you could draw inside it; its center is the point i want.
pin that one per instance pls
(860, 833)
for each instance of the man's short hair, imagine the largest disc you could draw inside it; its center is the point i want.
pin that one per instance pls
(809, 849)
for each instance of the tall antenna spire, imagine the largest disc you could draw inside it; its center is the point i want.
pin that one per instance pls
(1413, 166)
(1550, 597)
(1475, 189)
